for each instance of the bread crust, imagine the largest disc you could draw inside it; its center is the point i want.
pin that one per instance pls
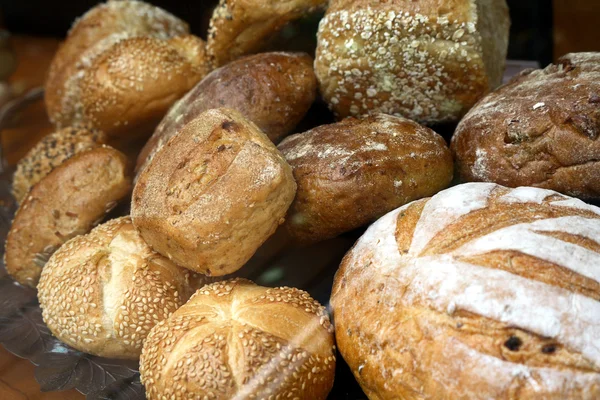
(213, 194)
(428, 61)
(352, 172)
(540, 129)
(235, 339)
(69, 201)
(242, 27)
(101, 293)
(478, 292)
(273, 90)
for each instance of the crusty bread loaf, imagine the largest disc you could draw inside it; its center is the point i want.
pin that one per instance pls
(237, 340)
(101, 293)
(480, 292)
(242, 27)
(123, 64)
(353, 172)
(49, 153)
(69, 201)
(541, 129)
(429, 61)
(273, 90)
(213, 194)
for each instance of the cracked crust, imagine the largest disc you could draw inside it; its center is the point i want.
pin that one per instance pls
(541, 129)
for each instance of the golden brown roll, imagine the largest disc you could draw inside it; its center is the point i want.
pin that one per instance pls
(69, 201)
(49, 153)
(213, 194)
(480, 292)
(541, 129)
(429, 61)
(101, 293)
(123, 64)
(235, 339)
(353, 172)
(241, 27)
(273, 90)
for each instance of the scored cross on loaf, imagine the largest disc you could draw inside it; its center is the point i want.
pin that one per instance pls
(478, 292)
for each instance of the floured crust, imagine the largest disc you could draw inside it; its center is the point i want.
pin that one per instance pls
(235, 339)
(213, 194)
(242, 27)
(478, 292)
(427, 61)
(353, 172)
(69, 201)
(101, 293)
(541, 129)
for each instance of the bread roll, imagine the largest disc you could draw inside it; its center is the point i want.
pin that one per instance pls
(480, 292)
(540, 129)
(213, 194)
(101, 293)
(429, 61)
(353, 172)
(236, 340)
(69, 201)
(121, 67)
(273, 90)
(49, 153)
(241, 27)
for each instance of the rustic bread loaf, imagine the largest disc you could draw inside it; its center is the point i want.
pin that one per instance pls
(242, 27)
(429, 61)
(123, 64)
(353, 172)
(101, 293)
(478, 292)
(213, 194)
(273, 90)
(237, 340)
(49, 153)
(541, 129)
(69, 201)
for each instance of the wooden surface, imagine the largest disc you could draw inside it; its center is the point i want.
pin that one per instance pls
(576, 26)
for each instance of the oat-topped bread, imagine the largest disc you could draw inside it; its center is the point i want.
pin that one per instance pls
(429, 61)
(237, 340)
(123, 64)
(49, 153)
(540, 129)
(101, 293)
(480, 292)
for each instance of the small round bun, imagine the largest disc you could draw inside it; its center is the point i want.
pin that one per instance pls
(213, 194)
(352, 172)
(480, 292)
(242, 27)
(49, 153)
(273, 90)
(428, 61)
(541, 129)
(69, 201)
(101, 293)
(235, 339)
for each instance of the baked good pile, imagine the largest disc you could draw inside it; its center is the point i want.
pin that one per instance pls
(478, 277)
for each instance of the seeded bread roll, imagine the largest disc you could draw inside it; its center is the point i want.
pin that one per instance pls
(429, 61)
(480, 292)
(69, 201)
(273, 90)
(101, 293)
(123, 64)
(241, 27)
(541, 129)
(235, 339)
(353, 172)
(213, 194)
(49, 153)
